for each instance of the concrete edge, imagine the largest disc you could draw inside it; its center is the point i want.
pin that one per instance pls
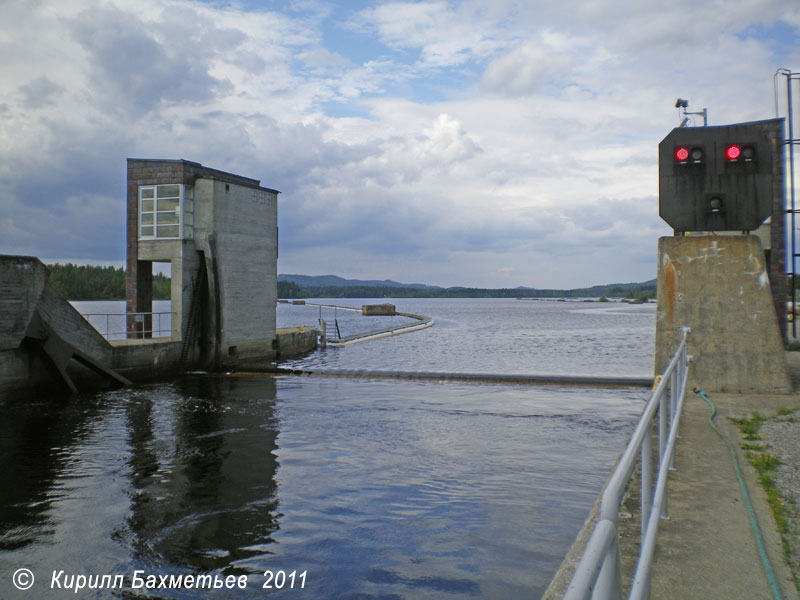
(763, 512)
(439, 377)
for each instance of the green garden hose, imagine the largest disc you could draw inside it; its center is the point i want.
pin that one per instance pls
(762, 551)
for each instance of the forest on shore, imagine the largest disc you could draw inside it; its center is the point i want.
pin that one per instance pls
(84, 282)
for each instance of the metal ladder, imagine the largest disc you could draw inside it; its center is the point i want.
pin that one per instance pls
(194, 312)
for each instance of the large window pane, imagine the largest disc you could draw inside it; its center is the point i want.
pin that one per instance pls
(167, 218)
(167, 231)
(168, 204)
(169, 191)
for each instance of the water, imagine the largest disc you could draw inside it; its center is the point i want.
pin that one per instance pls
(373, 489)
(494, 336)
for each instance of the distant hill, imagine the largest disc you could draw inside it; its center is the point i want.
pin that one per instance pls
(335, 281)
(331, 286)
(610, 289)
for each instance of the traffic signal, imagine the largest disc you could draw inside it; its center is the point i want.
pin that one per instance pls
(737, 152)
(694, 155)
(715, 178)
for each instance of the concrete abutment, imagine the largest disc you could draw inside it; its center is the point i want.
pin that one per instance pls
(718, 286)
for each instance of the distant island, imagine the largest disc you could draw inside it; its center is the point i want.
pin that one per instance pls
(108, 283)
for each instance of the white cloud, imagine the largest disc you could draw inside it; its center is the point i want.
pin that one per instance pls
(443, 35)
(524, 70)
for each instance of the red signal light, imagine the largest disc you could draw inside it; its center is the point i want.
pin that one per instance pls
(733, 152)
(682, 154)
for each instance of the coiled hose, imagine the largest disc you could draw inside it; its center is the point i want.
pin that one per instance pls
(762, 551)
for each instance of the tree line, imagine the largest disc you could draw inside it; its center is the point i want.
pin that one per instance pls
(108, 283)
(84, 282)
(289, 290)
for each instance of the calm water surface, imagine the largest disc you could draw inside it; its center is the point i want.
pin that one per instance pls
(374, 489)
(494, 336)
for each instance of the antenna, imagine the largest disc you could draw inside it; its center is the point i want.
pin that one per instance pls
(680, 103)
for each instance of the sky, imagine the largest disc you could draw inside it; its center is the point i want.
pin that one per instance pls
(489, 143)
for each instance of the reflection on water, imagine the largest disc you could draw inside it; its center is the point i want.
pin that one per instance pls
(35, 445)
(376, 489)
(202, 472)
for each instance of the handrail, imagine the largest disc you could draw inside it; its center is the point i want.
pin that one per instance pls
(598, 574)
(154, 332)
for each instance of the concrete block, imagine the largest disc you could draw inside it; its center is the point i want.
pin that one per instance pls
(378, 310)
(294, 341)
(22, 281)
(719, 287)
(71, 326)
(145, 359)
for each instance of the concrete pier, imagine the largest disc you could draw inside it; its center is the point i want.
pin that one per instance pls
(43, 339)
(718, 286)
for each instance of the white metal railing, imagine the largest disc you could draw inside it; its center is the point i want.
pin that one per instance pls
(598, 575)
(160, 326)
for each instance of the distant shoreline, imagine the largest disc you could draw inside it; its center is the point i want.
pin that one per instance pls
(632, 291)
(108, 283)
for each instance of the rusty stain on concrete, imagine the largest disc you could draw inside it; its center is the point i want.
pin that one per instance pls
(669, 297)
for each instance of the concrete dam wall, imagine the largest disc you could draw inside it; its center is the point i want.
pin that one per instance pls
(46, 345)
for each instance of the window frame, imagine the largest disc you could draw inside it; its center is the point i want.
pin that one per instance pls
(185, 193)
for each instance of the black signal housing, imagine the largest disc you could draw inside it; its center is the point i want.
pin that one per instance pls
(715, 178)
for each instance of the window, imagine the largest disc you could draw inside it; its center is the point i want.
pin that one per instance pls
(188, 212)
(166, 212)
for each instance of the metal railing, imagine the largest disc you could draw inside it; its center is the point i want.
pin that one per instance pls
(599, 575)
(159, 326)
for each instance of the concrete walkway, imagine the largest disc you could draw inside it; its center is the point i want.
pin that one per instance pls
(707, 549)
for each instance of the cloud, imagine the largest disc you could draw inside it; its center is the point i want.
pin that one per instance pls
(136, 67)
(322, 57)
(438, 33)
(526, 69)
(39, 93)
(446, 142)
(456, 143)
